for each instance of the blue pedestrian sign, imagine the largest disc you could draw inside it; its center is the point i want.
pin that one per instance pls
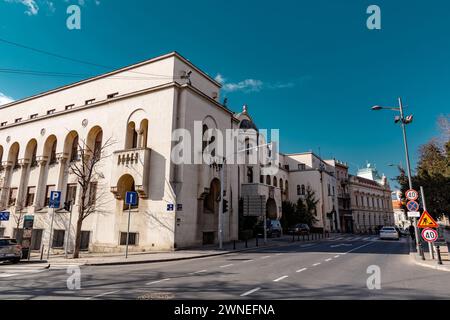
(55, 199)
(412, 206)
(131, 198)
(170, 207)
(4, 216)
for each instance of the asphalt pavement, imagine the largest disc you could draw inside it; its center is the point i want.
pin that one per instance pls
(337, 268)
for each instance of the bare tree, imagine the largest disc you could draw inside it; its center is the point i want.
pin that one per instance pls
(86, 169)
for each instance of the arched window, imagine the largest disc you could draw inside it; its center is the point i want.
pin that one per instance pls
(275, 183)
(98, 145)
(268, 180)
(261, 179)
(53, 153)
(33, 160)
(281, 184)
(250, 175)
(303, 190)
(204, 141)
(74, 149)
(299, 190)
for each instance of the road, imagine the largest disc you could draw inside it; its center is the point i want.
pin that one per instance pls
(328, 269)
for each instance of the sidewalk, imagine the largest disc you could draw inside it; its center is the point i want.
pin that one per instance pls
(429, 263)
(109, 259)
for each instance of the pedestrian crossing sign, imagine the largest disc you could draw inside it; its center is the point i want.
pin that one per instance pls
(427, 221)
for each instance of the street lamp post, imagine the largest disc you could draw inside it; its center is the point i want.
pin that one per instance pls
(404, 121)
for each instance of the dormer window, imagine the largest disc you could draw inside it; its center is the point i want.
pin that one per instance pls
(18, 120)
(112, 95)
(51, 111)
(69, 107)
(3, 124)
(34, 116)
(90, 101)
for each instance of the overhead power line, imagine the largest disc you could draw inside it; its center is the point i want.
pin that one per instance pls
(74, 75)
(73, 59)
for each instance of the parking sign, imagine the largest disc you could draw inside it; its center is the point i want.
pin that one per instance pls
(55, 199)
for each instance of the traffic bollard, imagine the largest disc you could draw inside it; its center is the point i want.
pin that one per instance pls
(234, 244)
(293, 236)
(257, 241)
(438, 250)
(246, 243)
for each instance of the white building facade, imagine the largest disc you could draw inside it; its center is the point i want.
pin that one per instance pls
(127, 118)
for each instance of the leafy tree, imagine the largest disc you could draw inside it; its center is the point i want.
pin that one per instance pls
(304, 211)
(433, 174)
(311, 202)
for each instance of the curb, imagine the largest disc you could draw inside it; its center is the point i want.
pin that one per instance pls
(435, 267)
(117, 263)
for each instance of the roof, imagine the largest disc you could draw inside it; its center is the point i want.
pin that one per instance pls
(105, 75)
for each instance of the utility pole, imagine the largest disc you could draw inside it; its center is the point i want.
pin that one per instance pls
(430, 245)
(408, 166)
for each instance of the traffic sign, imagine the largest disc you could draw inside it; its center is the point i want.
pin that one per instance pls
(4, 216)
(131, 198)
(412, 206)
(415, 214)
(426, 221)
(412, 195)
(170, 207)
(429, 235)
(55, 199)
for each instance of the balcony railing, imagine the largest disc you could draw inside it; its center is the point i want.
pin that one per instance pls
(133, 162)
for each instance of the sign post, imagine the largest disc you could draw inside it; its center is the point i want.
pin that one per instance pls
(430, 244)
(130, 200)
(413, 195)
(68, 206)
(54, 203)
(28, 222)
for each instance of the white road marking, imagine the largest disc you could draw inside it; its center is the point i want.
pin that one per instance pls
(278, 254)
(250, 292)
(227, 265)
(280, 278)
(197, 272)
(301, 270)
(102, 295)
(248, 261)
(316, 264)
(328, 260)
(157, 281)
(341, 245)
(7, 275)
(364, 245)
(266, 257)
(337, 256)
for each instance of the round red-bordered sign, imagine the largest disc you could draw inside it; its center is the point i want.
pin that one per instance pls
(430, 235)
(412, 195)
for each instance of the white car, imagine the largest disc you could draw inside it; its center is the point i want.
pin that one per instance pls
(389, 233)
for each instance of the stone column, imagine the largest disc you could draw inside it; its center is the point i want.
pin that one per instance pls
(5, 177)
(21, 192)
(62, 165)
(40, 187)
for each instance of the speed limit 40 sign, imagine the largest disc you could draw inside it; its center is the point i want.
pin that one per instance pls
(429, 235)
(412, 195)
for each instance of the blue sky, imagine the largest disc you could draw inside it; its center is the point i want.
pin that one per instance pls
(310, 68)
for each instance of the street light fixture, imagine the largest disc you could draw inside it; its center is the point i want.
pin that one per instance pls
(404, 121)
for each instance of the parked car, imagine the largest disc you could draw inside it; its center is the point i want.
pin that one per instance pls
(273, 228)
(10, 250)
(404, 232)
(299, 229)
(389, 233)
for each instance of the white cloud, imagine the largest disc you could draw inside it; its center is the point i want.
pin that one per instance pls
(247, 85)
(32, 7)
(4, 99)
(250, 85)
